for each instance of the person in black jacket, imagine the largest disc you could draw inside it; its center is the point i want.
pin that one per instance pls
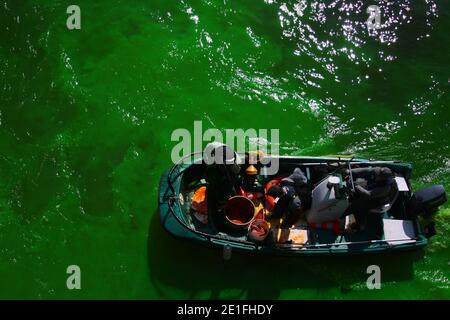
(292, 194)
(376, 194)
(223, 181)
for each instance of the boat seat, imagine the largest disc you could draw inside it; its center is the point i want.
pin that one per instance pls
(398, 231)
(386, 207)
(393, 197)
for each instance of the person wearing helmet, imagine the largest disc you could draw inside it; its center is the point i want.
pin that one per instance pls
(290, 198)
(222, 176)
(367, 196)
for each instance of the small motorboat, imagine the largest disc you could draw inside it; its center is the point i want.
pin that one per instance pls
(404, 222)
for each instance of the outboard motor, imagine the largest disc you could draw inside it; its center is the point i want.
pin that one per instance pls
(424, 203)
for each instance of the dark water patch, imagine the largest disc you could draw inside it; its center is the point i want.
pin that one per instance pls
(95, 185)
(200, 272)
(98, 166)
(37, 186)
(31, 111)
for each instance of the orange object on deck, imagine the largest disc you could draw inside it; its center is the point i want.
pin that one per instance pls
(239, 210)
(270, 201)
(258, 230)
(199, 203)
(251, 170)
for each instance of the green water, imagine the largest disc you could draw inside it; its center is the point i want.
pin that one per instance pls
(86, 118)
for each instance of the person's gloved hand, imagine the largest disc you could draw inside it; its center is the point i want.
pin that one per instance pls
(295, 203)
(352, 194)
(289, 191)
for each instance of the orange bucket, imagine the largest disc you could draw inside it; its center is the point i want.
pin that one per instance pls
(239, 212)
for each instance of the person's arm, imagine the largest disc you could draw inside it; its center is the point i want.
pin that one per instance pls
(362, 191)
(379, 192)
(362, 172)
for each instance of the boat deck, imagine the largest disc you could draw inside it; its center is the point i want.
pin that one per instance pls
(373, 231)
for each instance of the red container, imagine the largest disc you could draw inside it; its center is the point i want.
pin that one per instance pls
(255, 228)
(239, 212)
